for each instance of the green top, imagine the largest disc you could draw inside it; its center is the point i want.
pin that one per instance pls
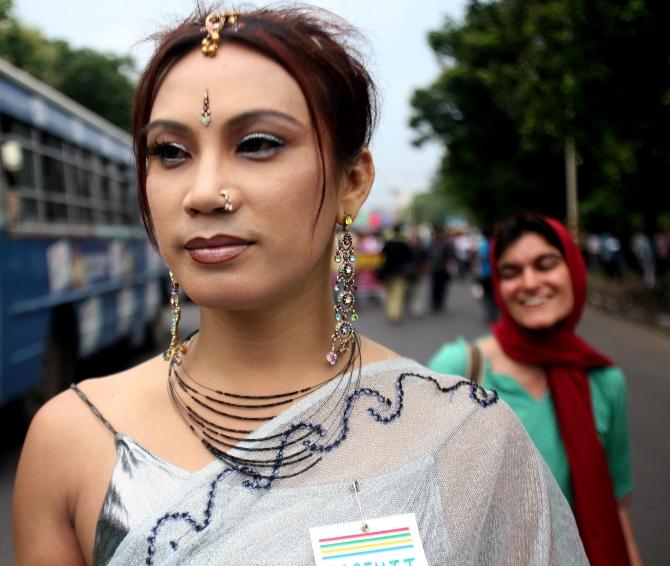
(608, 395)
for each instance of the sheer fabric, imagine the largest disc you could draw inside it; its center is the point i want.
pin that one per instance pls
(479, 489)
(608, 396)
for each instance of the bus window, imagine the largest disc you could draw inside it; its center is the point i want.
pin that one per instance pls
(116, 205)
(128, 198)
(99, 190)
(54, 179)
(79, 211)
(21, 202)
(25, 176)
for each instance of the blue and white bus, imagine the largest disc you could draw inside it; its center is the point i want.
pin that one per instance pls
(77, 273)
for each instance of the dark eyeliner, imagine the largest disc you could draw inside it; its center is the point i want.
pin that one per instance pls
(162, 150)
(266, 145)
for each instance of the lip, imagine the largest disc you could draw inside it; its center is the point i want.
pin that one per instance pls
(218, 249)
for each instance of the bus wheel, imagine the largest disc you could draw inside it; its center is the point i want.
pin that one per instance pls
(58, 371)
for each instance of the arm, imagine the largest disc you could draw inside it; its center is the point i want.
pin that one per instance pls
(629, 536)
(618, 457)
(43, 506)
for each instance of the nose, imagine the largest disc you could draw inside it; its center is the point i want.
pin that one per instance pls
(208, 192)
(529, 278)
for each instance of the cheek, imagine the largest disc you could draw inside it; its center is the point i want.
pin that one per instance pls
(563, 283)
(568, 301)
(292, 199)
(507, 290)
(159, 208)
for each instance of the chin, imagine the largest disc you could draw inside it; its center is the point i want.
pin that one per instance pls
(534, 320)
(226, 297)
(538, 321)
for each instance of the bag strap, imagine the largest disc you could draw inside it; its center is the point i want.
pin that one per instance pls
(475, 363)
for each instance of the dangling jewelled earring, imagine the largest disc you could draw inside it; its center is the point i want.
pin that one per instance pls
(175, 348)
(345, 311)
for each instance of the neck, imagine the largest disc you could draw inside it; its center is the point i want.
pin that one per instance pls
(280, 348)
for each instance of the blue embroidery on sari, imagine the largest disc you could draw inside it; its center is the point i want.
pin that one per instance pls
(484, 398)
(186, 517)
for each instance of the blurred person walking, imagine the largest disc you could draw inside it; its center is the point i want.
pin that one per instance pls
(571, 398)
(662, 253)
(612, 257)
(397, 257)
(418, 276)
(644, 254)
(463, 251)
(484, 275)
(441, 255)
(593, 248)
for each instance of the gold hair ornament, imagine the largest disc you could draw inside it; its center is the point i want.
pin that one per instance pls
(214, 23)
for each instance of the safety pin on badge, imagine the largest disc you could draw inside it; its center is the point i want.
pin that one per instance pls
(364, 526)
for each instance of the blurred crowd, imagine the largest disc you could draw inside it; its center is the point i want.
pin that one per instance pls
(410, 268)
(648, 257)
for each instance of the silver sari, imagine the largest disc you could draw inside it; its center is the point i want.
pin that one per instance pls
(450, 454)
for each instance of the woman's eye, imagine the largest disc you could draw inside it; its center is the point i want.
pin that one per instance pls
(259, 146)
(508, 272)
(547, 262)
(169, 153)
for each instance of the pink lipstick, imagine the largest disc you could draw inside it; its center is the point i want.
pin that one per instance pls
(218, 249)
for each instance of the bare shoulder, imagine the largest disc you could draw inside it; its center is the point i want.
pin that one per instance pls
(372, 351)
(64, 427)
(137, 380)
(124, 398)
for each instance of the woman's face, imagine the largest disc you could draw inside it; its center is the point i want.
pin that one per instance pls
(260, 147)
(535, 283)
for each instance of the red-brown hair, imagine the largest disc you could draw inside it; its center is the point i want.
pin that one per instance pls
(312, 45)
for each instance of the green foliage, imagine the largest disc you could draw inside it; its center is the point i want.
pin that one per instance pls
(99, 81)
(431, 208)
(519, 77)
(5, 9)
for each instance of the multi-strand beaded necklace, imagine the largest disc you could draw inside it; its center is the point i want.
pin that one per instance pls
(280, 455)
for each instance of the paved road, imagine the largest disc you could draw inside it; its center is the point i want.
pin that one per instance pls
(643, 355)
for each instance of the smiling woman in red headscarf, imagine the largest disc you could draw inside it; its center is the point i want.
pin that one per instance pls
(571, 398)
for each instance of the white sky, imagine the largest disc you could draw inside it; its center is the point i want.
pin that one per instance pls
(400, 62)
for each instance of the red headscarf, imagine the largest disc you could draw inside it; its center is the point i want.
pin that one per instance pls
(567, 359)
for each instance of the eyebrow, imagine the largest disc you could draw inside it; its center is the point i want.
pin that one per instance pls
(166, 124)
(255, 115)
(235, 122)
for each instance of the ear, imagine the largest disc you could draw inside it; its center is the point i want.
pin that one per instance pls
(355, 185)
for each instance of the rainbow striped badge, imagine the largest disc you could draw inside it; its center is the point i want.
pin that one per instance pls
(388, 541)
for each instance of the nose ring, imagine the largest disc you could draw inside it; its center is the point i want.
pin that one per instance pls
(228, 207)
